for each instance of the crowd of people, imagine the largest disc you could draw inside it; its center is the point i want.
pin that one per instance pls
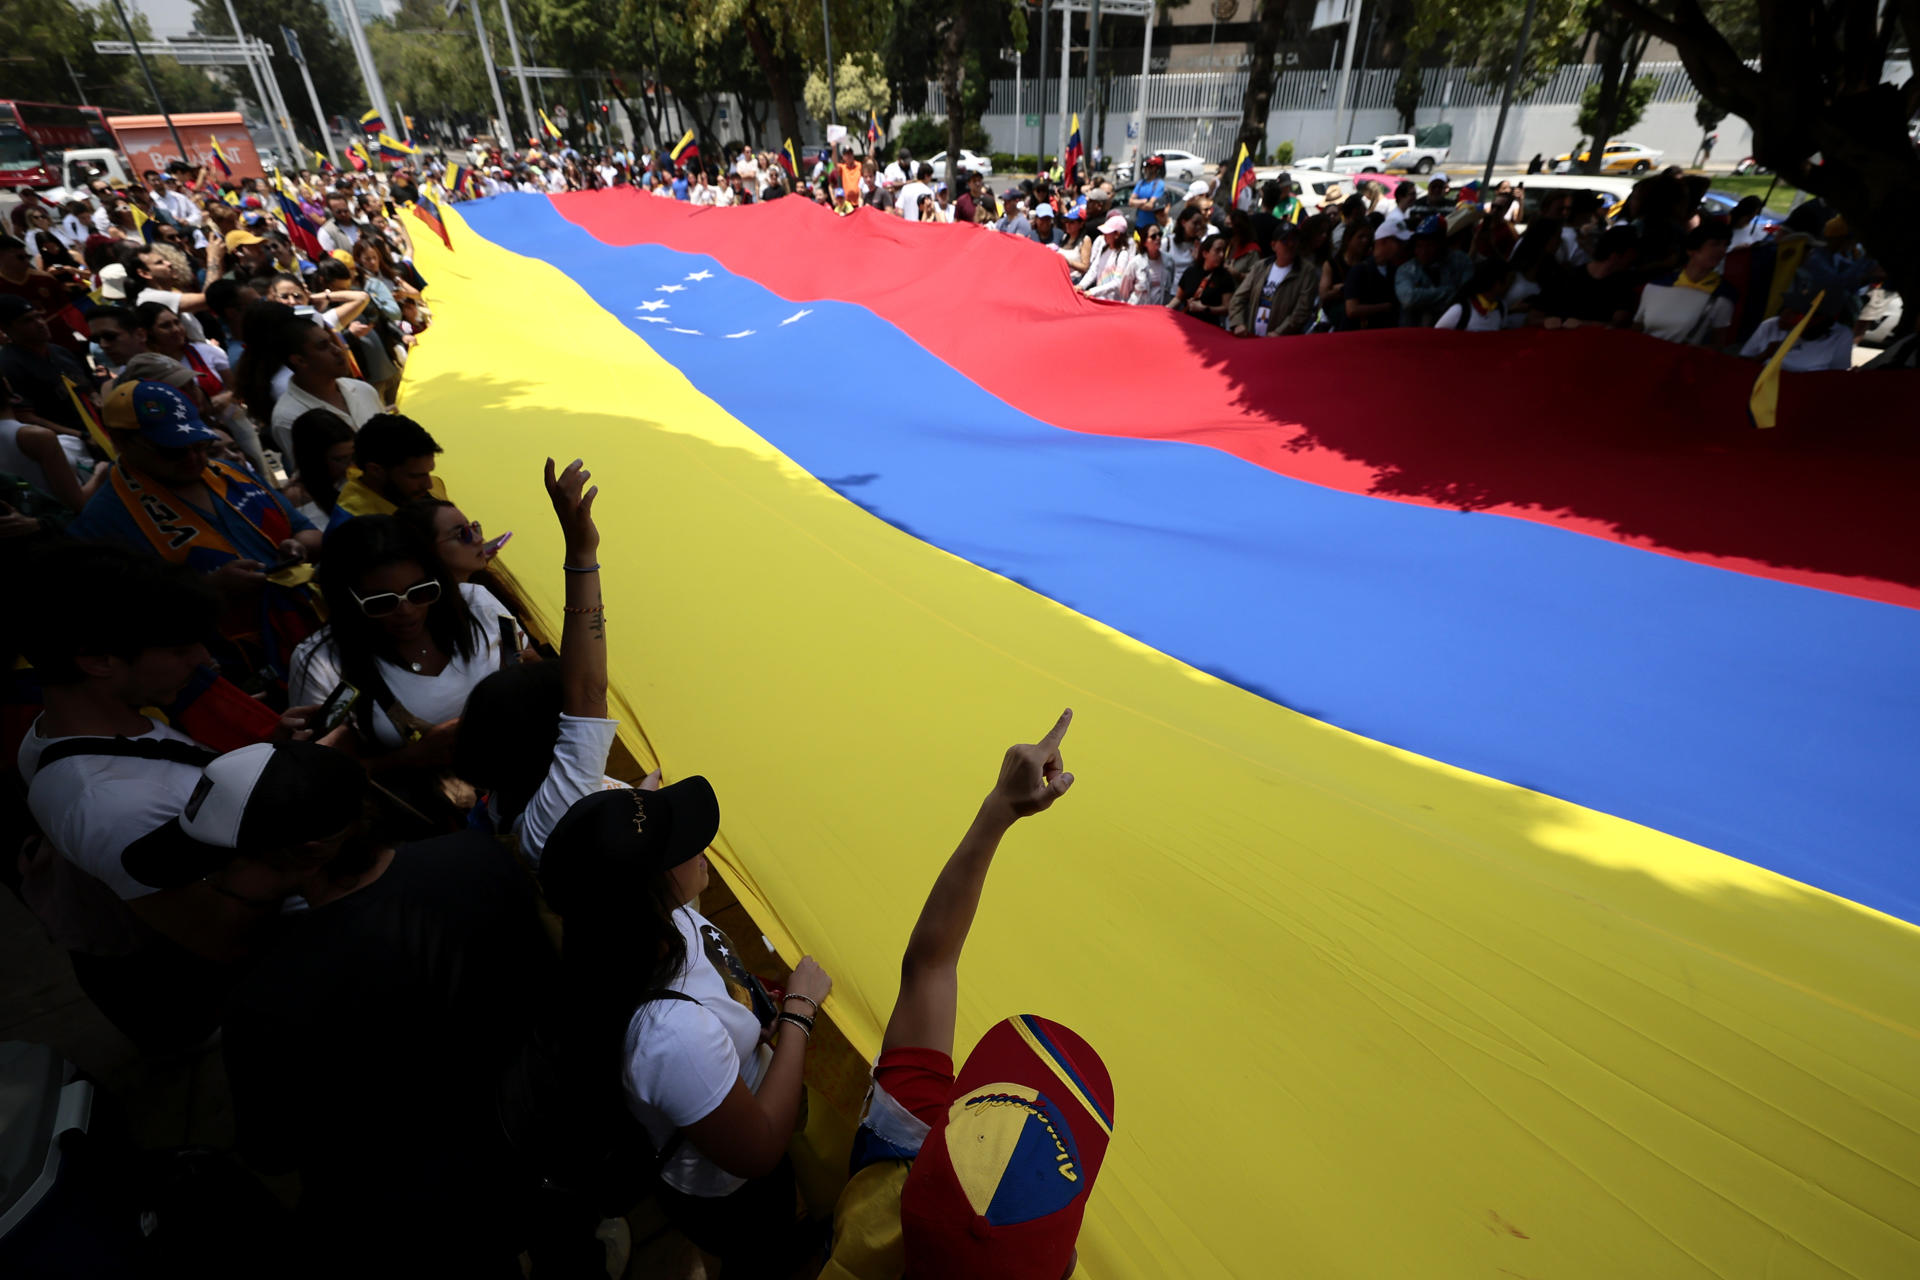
(1259, 262)
(299, 779)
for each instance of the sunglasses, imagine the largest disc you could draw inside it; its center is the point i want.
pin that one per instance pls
(467, 534)
(379, 606)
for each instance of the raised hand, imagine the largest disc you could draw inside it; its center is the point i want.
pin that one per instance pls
(1032, 775)
(574, 507)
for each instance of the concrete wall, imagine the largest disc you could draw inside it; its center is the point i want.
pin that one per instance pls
(1200, 113)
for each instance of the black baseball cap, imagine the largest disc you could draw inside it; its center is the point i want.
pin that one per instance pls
(262, 797)
(610, 839)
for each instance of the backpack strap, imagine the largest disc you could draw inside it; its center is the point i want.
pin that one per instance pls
(672, 1146)
(167, 749)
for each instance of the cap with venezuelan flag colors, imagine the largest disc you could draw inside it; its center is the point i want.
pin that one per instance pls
(999, 1188)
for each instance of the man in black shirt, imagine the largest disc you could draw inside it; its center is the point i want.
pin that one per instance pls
(365, 1046)
(35, 366)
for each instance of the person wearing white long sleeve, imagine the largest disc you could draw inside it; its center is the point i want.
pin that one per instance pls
(1109, 274)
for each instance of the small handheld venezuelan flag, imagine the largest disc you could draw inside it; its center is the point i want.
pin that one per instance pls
(220, 160)
(685, 150)
(1071, 163)
(791, 161)
(300, 228)
(548, 127)
(873, 132)
(428, 212)
(321, 163)
(454, 180)
(371, 124)
(391, 148)
(357, 155)
(1242, 175)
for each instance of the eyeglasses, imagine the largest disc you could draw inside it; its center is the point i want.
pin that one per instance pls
(384, 603)
(468, 533)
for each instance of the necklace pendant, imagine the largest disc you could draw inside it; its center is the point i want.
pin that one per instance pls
(416, 667)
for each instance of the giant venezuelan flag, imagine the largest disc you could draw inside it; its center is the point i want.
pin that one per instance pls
(1493, 848)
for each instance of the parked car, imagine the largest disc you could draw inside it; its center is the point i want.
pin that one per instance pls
(1358, 157)
(1613, 192)
(1182, 166)
(1719, 204)
(969, 163)
(1418, 152)
(1620, 157)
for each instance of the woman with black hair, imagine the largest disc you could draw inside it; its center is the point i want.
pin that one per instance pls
(412, 645)
(651, 993)
(322, 456)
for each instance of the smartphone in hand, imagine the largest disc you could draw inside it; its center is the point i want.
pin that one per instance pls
(509, 643)
(335, 710)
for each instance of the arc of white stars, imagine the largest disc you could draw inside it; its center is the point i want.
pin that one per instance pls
(804, 311)
(701, 275)
(653, 319)
(670, 288)
(678, 329)
(744, 333)
(654, 304)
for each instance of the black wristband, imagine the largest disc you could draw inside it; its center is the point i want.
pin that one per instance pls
(799, 1020)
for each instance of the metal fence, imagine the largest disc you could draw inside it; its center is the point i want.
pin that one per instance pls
(1219, 93)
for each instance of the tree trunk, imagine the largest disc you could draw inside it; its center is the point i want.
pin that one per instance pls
(1621, 47)
(1253, 107)
(952, 50)
(779, 86)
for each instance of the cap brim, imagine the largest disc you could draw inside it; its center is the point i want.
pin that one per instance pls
(168, 858)
(693, 818)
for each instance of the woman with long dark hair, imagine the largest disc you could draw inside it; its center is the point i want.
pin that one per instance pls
(413, 645)
(651, 986)
(1355, 249)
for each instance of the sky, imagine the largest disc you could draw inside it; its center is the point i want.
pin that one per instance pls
(169, 17)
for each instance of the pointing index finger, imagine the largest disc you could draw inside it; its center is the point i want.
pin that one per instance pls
(1059, 730)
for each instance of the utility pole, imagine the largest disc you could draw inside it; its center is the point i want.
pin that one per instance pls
(253, 73)
(1346, 70)
(1140, 150)
(520, 72)
(78, 92)
(363, 53)
(1506, 97)
(493, 76)
(299, 56)
(147, 74)
(264, 52)
(1040, 74)
(1066, 51)
(1092, 140)
(826, 23)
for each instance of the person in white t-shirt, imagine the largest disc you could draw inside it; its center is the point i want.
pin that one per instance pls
(104, 780)
(535, 736)
(922, 185)
(1826, 343)
(411, 645)
(679, 1021)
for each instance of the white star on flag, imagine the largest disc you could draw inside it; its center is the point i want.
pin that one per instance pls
(744, 333)
(678, 329)
(670, 288)
(653, 320)
(653, 304)
(701, 275)
(804, 311)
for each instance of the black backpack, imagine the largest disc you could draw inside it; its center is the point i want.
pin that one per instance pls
(570, 1129)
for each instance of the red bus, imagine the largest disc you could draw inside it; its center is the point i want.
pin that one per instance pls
(34, 134)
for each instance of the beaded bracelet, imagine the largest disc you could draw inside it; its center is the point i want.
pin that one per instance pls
(795, 995)
(799, 1020)
(590, 568)
(583, 608)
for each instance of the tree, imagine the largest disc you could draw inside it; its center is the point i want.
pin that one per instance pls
(860, 85)
(1604, 106)
(433, 61)
(1408, 88)
(1822, 117)
(43, 38)
(1480, 34)
(1259, 94)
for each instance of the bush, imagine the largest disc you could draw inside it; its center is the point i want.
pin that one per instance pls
(926, 136)
(1283, 154)
(1012, 164)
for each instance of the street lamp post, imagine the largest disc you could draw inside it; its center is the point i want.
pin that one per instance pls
(147, 72)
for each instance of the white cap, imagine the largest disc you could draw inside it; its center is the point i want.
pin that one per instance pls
(1200, 187)
(1043, 211)
(113, 282)
(1115, 222)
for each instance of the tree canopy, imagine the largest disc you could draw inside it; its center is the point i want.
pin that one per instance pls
(42, 38)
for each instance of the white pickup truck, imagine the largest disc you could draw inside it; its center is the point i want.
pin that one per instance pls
(1419, 152)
